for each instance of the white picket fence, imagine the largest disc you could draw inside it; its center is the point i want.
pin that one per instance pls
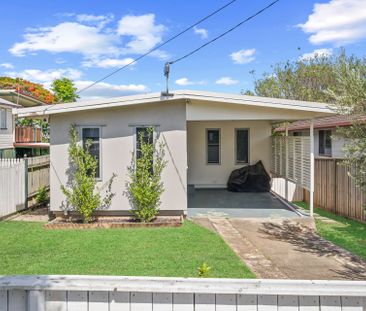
(19, 180)
(101, 293)
(12, 186)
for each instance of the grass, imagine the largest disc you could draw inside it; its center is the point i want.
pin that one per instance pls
(347, 233)
(28, 248)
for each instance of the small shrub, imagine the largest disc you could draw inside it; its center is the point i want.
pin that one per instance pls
(42, 196)
(203, 270)
(145, 186)
(82, 193)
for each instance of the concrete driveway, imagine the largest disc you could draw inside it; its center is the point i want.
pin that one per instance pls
(286, 249)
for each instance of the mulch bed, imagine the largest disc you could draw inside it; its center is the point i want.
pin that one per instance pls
(113, 222)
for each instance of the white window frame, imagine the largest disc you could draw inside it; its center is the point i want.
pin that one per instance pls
(236, 145)
(81, 127)
(5, 112)
(206, 144)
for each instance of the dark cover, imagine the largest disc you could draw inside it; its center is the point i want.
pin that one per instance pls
(250, 178)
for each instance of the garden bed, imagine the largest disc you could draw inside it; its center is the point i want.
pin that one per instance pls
(113, 222)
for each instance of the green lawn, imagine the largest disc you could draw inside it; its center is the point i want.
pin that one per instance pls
(349, 234)
(27, 248)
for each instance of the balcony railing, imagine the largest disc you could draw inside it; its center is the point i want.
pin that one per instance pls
(28, 134)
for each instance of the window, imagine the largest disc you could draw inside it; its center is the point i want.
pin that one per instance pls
(296, 134)
(213, 146)
(325, 142)
(147, 135)
(242, 146)
(3, 124)
(92, 134)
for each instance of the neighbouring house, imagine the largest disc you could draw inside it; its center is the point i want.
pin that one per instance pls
(207, 135)
(18, 141)
(327, 143)
(7, 128)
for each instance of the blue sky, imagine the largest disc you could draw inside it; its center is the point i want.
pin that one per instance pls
(85, 40)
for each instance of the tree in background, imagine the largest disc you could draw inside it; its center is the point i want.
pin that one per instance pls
(64, 90)
(304, 79)
(28, 88)
(349, 94)
(339, 80)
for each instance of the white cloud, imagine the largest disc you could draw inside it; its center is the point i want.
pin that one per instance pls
(46, 76)
(67, 37)
(339, 22)
(145, 33)
(226, 81)
(201, 32)
(107, 62)
(88, 18)
(243, 56)
(185, 81)
(89, 36)
(7, 65)
(316, 53)
(104, 90)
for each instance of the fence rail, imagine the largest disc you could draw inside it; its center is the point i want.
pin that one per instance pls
(49, 293)
(20, 179)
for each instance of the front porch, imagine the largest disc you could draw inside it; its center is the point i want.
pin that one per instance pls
(224, 204)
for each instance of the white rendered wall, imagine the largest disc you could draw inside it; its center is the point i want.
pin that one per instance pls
(118, 144)
(202, 174)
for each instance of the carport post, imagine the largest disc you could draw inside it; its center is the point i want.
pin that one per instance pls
(286, 161)
(312, 170)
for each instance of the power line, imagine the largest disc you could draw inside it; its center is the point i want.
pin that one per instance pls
(224, 33)
(158, 46)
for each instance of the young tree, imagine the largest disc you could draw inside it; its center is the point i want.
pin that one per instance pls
(81, 192)
(64, 90)
(145, 187)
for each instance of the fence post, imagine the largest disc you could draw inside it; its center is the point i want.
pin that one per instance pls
(26, 181)
(335, 186)
(312, 170)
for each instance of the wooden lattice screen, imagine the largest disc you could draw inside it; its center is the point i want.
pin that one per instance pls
(298, 159)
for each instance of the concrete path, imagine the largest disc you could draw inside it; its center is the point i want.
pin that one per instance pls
(286, 249)
(38, 215)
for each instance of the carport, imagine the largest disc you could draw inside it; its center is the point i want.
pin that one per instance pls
(225, 133)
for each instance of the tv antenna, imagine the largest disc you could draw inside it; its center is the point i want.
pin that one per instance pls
(166, 74)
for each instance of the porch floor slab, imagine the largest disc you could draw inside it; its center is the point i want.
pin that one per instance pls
(222, 203)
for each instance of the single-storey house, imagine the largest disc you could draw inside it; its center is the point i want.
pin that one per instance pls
(207, 135)
(327, 142)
